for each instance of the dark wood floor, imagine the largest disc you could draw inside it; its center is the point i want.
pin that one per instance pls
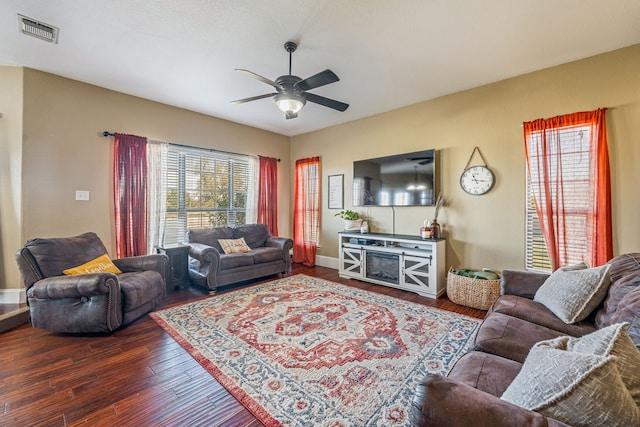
(137, 376)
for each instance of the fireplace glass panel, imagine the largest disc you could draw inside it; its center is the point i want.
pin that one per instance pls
(383, 266)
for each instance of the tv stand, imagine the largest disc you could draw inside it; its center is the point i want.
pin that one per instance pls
(400, 261)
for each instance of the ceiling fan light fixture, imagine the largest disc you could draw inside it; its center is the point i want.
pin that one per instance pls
(289, 102)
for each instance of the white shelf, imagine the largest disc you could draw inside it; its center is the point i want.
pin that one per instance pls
(400, 261)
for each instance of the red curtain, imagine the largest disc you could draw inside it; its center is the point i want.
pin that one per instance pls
(306, 210)
(268, 194)
(130, 194)
(555, 189)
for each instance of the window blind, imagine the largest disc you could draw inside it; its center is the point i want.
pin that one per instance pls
(204, 189)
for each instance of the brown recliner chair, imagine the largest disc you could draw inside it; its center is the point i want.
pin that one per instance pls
(96, 302)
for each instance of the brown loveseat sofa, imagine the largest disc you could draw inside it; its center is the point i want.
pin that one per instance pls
(470, 394)
(211, 268)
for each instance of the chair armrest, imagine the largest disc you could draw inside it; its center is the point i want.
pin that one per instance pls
(75, 286)
(440, 401)
(154, 262)
(521, 283)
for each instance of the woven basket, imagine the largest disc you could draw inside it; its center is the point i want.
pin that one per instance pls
(476, 293)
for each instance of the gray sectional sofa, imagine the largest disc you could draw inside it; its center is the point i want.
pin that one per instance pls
(516, 332)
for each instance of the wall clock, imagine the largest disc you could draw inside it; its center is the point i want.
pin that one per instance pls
(477, 180)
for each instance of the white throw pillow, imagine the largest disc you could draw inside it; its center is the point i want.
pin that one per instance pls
(614, 341)
(576, 388)
(573, 294)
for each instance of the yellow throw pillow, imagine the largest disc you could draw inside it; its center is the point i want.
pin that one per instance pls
(102, 264)
(234, 246)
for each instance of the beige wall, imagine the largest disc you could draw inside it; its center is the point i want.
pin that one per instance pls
(10, 174)
(63, 150)
(488, 231)
(51, 146)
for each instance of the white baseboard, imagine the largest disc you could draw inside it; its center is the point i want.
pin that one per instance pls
(13, 296)
(326, 261)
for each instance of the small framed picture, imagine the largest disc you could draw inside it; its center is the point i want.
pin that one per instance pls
(336, 191)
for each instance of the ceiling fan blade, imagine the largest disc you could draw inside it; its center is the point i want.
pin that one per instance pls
(322, 78)
(331, 103)
(290, 115)
(253, 98)
(259, 77)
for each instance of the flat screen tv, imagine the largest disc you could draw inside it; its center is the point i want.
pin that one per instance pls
(401, 180)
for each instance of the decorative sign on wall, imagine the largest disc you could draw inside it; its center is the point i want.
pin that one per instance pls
(336, 191)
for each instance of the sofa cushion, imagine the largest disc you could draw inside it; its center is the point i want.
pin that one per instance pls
(577, 388)
(623, 299)
(267, 254)
(537, 313)
(138, 288)
(210, 236)
(254, 234)
(487, 372)
(101, 264)
(510, 337)
(573, 294)
(57, 254)
(629, 311)
(234, 246)
(236, 260)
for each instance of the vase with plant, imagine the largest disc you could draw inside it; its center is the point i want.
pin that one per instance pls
(352, 220)
(435, 226)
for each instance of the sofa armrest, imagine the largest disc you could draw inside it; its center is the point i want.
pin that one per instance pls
(521, 283)
(285, 244)
(440, 401)
(75, 286)
(204, 253)
(204, 265)
(154, 262)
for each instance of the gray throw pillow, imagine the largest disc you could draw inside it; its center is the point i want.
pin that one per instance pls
(573, 294)
(576, 388)
(613, 341)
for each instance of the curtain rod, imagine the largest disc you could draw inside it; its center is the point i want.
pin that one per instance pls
(213, 150)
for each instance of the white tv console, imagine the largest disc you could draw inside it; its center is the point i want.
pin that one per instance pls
(400, 261)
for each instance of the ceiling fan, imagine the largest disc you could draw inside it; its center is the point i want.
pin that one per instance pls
(421, 160)
(292, 93)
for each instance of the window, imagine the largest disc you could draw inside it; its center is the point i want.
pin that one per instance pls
(568, 195)
(205, 189)
(306, 210)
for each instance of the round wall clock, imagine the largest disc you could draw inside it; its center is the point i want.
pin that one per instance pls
(477, 180)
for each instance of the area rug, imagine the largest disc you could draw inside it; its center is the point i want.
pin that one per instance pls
(302, 351)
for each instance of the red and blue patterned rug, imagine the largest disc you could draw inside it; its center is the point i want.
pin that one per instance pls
(302, 351)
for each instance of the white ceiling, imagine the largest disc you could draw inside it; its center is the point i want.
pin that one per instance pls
(388, 54)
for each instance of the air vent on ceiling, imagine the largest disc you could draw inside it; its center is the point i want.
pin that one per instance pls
(35, 28)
